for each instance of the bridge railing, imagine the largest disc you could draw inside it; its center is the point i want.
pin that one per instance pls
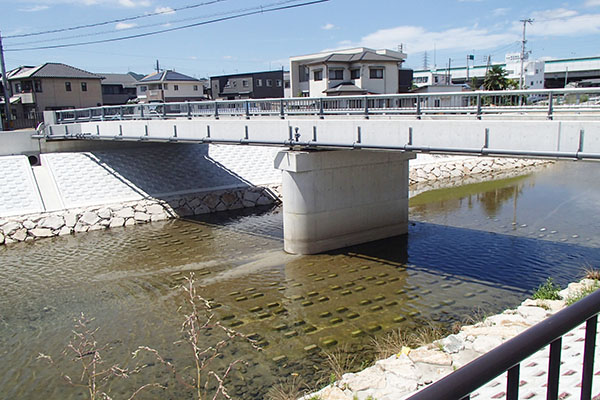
(476, 104)
(507, 357)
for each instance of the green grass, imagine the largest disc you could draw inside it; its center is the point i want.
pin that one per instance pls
(582, 293)
(547, 291)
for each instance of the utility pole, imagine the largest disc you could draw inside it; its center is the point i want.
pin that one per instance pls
(5, 84)
(449, 78)
(157, 67)
(523, 42)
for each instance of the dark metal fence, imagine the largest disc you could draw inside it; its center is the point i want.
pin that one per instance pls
(507, 357)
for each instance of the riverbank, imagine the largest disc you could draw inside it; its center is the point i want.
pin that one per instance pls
(403, 374)
(80, 192)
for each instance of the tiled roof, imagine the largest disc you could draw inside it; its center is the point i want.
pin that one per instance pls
(345, 87)
(166, 76)
(51, 70)
(127, 80)
(350, 58)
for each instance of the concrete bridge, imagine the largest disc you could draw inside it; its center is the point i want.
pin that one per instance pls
(345, 169)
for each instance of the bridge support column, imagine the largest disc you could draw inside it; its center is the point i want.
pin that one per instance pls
(334, 199)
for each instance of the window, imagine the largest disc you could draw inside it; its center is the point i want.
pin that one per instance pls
(17, 87)
(269, 82)
(336, 74)
(278, 82)
(38, 86)
(303, 73)
(355, 73)
(318, 75)
(143, 88)
(259, 82)
(435, 79)
(376, 73)
(245, 83)
(195, 88)
(287, 84)
(84, 86)
(68, 86)
(176, 87)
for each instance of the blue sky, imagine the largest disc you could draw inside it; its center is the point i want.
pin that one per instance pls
(454, 28)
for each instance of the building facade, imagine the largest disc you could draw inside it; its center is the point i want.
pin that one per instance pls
(253, 85)
(119, 88)
(533, 71)
(50, 86)
(169, 86)
(346, 72)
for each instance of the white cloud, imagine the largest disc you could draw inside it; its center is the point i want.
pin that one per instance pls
(134, 3)
(328, 27)
(592, 3)
(418, 39)
(124, 25)
(499, 12)
(164, 10)
(34, 8)
(228, 57)
(562, 22)
(121, 3)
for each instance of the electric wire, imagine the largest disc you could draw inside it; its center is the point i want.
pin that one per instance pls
(237, 16)
(115, 20)
(241, 10)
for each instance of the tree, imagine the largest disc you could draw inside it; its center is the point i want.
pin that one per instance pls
(495, 79)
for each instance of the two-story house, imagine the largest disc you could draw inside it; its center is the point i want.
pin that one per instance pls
(119, 88)
(346, 72)
(169, 86)
(50, 86)
(252, 85)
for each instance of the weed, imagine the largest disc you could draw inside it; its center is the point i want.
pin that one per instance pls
(390, 344)
(290, 389)
(591, 273)
(547, 291)
(340, 361)
(582, 293)
(428, 333)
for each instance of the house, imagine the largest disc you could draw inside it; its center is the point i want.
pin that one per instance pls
(119, 88)
(50, 86)
(252, 85)
(169, 86)
(346, 72)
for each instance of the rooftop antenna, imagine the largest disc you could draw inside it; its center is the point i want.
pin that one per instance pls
(523, 42)
(434, 58)
(157, 67)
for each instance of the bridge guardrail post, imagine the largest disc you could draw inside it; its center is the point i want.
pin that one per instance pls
(189, 110)
(90, 115)
(478, 105)
(121, 112)
(418, 107)
(141, 111)
(321, 113)
(102, 114)
(281, 109)
(366, 107)
(247, 107)
(216, 110)
(164, 113)
(550, 106)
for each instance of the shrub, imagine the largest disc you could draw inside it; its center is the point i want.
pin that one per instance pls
(547, 291)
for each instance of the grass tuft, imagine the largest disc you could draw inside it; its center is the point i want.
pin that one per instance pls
(547, 291)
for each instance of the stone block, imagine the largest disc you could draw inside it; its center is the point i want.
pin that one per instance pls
(129, 222)
(89, 218)
(452, 344)
(483, 344)
(141, 217)
(11, 227)
(116, 222)
(80, 227)
(1, 238)
(436, 357)
(41, 232)
(53, 222)
(155, 209)
(70, 219)
(27, 224)
(105, 213)
(126, 212)
(65, 230)
(19, 235)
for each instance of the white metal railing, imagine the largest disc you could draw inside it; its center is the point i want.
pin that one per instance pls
(470, 103)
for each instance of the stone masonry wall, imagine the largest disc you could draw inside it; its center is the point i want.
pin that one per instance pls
(66, 222)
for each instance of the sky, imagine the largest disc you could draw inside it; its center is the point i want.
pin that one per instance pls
(225, 41)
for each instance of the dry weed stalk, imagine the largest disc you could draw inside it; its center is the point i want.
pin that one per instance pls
(340, 361)
(201, 319)
(94, 375)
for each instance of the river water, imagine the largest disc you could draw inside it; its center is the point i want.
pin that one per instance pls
(477, 248)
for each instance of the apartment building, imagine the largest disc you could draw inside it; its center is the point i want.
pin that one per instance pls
(252, 85)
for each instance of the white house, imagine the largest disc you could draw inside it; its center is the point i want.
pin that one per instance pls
(169, 86)
(346, 72)
(533, 71)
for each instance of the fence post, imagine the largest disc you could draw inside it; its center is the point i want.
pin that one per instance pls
(550, 106)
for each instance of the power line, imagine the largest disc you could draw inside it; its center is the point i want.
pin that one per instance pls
(115, 20)
(261, 11)
(158, 24)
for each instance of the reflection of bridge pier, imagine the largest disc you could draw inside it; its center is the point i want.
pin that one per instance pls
(334, 199)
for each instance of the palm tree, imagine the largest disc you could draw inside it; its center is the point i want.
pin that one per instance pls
(495, 79)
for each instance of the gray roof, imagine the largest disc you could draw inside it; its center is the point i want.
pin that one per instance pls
(51, 70)
(346, 87)
(127, 80)
(351, 58)
(166, 76)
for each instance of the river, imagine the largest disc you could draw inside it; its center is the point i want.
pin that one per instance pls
(472, 249)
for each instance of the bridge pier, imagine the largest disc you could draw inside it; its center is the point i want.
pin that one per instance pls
(333, 199)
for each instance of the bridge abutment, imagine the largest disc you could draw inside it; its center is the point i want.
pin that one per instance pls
(333, 199)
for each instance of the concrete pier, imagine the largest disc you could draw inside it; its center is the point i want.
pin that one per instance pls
(334, 199)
